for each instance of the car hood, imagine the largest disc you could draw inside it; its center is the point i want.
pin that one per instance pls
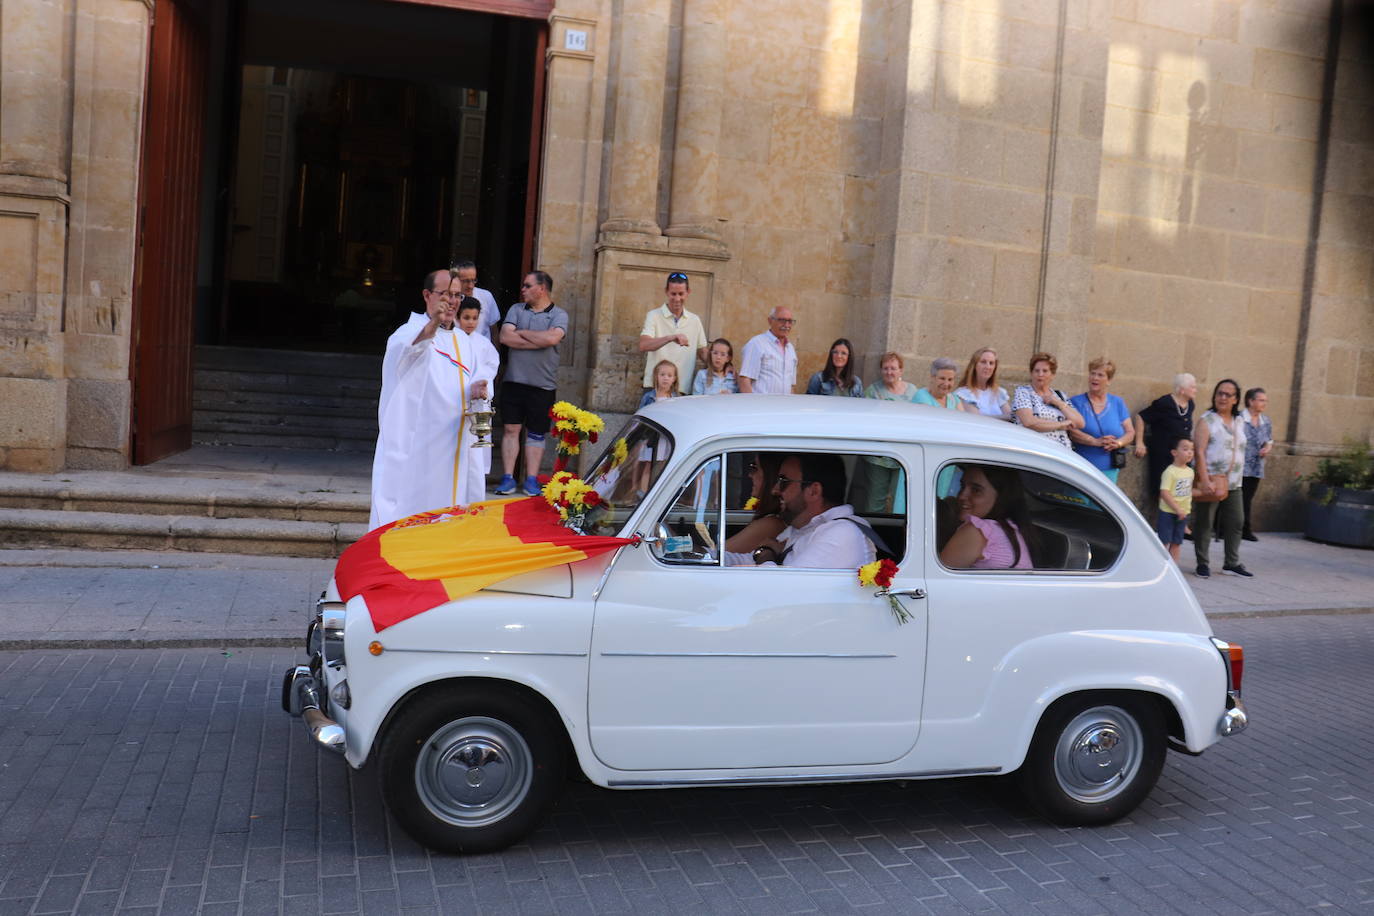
(554, 582)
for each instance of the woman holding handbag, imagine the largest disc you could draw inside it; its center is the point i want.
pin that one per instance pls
(1220, 441)
(1107, 434)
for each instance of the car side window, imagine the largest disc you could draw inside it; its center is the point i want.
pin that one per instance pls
(688, 534)
(995, 517)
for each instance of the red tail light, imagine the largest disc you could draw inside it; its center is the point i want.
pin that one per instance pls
(1234, 657)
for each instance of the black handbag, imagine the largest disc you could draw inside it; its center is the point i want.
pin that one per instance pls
(1117, 455)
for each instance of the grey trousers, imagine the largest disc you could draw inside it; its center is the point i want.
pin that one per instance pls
(1229, 517)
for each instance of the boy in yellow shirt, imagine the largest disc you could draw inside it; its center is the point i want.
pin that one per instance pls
(1175, 496)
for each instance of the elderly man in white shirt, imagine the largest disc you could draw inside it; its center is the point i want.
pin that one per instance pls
(822, 532)
(769, 361)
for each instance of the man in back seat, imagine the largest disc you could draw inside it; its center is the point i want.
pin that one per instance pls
(822, 531)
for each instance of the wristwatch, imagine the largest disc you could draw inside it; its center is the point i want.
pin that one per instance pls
(758, 551)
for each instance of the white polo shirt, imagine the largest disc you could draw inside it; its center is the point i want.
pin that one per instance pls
(660, 323)
(770, 363)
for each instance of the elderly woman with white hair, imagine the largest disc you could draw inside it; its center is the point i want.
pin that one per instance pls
(939, 391)
(1167, 419)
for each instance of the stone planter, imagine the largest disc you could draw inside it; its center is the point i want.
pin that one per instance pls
(1337, 515)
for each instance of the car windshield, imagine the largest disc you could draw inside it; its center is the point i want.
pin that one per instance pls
(626, 470)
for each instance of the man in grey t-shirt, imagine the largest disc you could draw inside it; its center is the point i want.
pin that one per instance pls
(532, 330)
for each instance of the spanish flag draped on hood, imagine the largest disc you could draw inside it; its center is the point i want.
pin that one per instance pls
(420, 562)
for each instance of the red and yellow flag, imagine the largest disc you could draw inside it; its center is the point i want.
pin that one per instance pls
(420, 562)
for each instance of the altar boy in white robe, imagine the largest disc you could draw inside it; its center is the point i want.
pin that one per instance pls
(424, 457)
(470, 314)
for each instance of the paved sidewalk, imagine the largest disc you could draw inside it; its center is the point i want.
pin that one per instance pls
(130, 598)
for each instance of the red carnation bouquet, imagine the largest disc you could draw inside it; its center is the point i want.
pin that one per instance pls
(879, 573)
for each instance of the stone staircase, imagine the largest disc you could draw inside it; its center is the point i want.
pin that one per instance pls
(304, 506)
(285, 399)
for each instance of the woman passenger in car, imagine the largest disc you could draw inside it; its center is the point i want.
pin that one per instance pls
(995, 521)
(766, 524)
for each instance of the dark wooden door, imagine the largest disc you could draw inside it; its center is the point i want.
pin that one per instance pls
(165, 273)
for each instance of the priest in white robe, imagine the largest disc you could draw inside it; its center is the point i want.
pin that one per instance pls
(430, 374)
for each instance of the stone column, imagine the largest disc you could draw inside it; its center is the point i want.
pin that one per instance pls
(35, 123)
(643, 42)
(692, 205)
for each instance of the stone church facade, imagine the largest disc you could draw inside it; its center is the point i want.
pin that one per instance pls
(1182, 185)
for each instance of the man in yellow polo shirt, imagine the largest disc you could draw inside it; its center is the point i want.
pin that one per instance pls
(673, 333)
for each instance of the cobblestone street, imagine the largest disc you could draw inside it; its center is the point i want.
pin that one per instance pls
(144, 781)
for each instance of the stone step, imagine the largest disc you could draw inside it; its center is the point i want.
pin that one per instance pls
(120, 530)
(285, 402)
(333, 366)
(240, 437)
(343, 390)
(205, 499)
(260, 420)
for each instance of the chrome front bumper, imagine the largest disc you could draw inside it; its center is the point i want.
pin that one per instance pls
(303, 688)
(1234, 720)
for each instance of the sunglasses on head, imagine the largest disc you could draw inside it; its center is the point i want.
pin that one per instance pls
(677, 276)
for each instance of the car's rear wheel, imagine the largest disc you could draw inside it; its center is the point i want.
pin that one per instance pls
(471, 770)
(1094, 758)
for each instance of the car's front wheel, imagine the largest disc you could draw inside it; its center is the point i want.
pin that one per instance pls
(465, 769)
(1094, 758)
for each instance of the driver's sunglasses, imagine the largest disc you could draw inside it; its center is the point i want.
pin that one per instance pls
(783, 481)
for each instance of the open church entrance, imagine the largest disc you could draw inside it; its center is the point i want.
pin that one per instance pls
(371, 141)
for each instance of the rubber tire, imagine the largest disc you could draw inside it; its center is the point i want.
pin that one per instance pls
(1039, 780)
(430, 714)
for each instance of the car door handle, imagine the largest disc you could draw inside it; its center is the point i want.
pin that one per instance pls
(907, 592)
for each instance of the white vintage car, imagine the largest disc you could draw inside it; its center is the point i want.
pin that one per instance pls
(678, 662)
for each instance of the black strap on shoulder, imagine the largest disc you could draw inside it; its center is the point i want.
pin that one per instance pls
(869, 533)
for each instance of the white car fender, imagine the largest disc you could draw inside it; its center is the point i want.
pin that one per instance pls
(544, 649)
(1192, 679)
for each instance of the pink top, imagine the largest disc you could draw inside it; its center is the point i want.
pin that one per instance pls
(997, 552)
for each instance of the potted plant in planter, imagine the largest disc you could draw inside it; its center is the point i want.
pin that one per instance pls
(1340, 498)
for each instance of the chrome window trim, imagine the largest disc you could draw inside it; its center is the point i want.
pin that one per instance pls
(724, 457)
(1037, 573)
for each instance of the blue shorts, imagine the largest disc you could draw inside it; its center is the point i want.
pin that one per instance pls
(1170, 527)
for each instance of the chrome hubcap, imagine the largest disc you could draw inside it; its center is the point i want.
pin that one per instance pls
(1098, 754)
(474, 771)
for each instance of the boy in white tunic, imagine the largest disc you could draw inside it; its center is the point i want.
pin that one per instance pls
(424, 456)
(471, 312)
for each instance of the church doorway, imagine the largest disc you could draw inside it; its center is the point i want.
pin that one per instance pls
(306, 163)
(370, 141)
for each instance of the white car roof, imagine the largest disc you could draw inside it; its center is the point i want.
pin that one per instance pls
(703, 417)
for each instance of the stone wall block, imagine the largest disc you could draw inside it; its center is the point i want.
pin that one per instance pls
(985, 213)
(1016, 274)
(1133, 88)
(1265, 263)
(1167, 248)
(1287, 213)
(746, 129)
(98, 413)
(1289, 74)
(1223, 204)
(1273, 312)
(1225, 20)
(1025, 155)
(1345, 271)
(1295, 117)
(1271, 160)
(1264, 27)
(33, 413)
(1347, 218)
(1364, 374)
(1340, 369)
